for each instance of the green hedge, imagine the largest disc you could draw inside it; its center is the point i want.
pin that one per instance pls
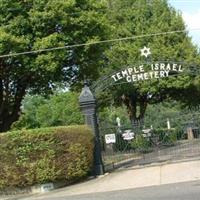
(37, 156)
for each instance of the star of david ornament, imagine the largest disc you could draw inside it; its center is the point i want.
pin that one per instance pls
(145, 51)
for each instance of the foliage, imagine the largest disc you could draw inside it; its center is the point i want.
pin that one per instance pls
(58, 110)
(167, 137)
(131, 18)
(141, 144)
(109, 115)
(30, 105)
(39, 24)
(179, 117)
(36, 156)
(167, 111)
(172, 110)
(31, 25)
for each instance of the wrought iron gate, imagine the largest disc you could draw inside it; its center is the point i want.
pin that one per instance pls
(129, 145)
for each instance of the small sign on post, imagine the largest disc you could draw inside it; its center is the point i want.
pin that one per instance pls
(110, 138)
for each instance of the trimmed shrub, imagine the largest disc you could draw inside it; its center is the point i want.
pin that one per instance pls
(38, 156)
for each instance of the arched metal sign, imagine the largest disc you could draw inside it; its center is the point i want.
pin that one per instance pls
(146, 71)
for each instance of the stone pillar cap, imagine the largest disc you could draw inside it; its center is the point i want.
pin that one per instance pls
(86, 95)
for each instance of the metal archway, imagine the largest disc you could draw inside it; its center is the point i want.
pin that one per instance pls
(192, 69)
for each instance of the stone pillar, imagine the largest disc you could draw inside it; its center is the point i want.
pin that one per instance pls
(87, 103)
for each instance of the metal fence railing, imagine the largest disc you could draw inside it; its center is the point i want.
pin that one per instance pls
(150, 147)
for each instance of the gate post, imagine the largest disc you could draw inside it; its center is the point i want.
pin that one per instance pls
(87, 103)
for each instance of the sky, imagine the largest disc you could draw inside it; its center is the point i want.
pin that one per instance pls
(190, 10)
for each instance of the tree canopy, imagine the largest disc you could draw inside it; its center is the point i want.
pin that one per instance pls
(130, 18)
(58, 110)
(40, 24)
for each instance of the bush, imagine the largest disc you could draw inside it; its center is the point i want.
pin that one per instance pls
(167, 137)
(141, 144)
(37, 156)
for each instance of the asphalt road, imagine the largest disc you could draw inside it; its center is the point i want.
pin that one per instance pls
(180, 191)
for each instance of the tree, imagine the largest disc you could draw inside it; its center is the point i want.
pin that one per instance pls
(58, 110)
(144, 17)
(39, 24)
(28, 116)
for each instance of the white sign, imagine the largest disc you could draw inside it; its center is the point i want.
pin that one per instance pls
(110, 138)
(128, 135)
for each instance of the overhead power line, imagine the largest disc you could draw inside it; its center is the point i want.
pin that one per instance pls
(95, 43)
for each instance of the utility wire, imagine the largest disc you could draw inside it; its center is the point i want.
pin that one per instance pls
(94, 43)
